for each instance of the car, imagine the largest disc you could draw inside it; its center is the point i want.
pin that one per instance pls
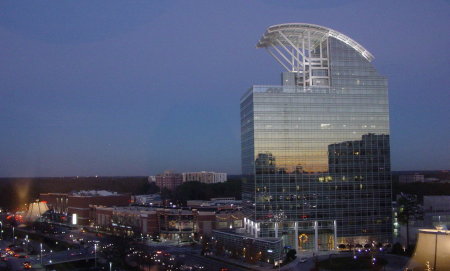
(26, 265)
(303, 260)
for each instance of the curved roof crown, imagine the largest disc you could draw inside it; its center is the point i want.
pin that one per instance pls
(289, 33)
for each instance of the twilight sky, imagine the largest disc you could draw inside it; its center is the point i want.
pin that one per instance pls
(137, 87)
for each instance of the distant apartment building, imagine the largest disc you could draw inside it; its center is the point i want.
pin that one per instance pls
(169, 180)
(151, 179)
(205, 177)
(411, 178)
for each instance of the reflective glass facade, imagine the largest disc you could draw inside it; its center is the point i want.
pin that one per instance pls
(317, 157)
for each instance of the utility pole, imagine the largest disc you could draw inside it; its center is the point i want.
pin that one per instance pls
(179, 226)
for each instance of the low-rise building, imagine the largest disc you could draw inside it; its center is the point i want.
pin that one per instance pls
(164, 223)
(217, 203)
(238, 244)
(148, 200)
(125, 220)
(77, 204)
(205, 177)
(411, 178)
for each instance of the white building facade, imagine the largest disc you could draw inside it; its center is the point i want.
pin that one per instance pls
(204, 177)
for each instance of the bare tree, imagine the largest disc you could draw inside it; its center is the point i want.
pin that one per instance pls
(408, 209)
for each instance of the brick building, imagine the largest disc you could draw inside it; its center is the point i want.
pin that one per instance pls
(169, 180)
(164, 223)
(79, 203)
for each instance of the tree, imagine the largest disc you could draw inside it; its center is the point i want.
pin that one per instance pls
(117, 252)
(397, 249)
(219, 247)
(205, 244)
(150, 188)
(408, 209)
(166, 194)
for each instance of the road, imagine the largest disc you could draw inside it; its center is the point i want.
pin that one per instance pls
(191, 256)
(48, 258)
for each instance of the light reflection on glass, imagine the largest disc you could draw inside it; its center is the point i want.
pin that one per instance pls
(320, 153)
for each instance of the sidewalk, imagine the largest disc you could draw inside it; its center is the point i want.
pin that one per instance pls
(294, 265)
(260, 266)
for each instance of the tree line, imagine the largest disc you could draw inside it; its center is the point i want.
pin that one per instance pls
(16, 192)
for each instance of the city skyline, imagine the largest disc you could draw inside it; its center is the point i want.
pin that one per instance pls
(137, 89)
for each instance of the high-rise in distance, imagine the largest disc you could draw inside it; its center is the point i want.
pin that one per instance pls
(315, 149)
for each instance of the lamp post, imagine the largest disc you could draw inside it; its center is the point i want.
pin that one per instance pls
(41, 254)
(435, 250)
(179, 226)
(13, 236)
(95, 255)
(1, 231)
(110, 266)
(26, 243)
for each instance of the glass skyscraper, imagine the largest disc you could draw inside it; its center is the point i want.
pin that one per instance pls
(315, 149)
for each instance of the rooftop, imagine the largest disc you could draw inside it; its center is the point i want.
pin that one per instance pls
(294, 35)
(91, 193)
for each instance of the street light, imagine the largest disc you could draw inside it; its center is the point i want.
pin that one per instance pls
(95, 255)
(41, 254)
(110, 266)
(1, 231)
(27, 243)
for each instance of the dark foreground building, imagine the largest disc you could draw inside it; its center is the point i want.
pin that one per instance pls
(315, 149)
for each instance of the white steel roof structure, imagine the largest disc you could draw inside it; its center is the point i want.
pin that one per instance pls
(291, 44)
